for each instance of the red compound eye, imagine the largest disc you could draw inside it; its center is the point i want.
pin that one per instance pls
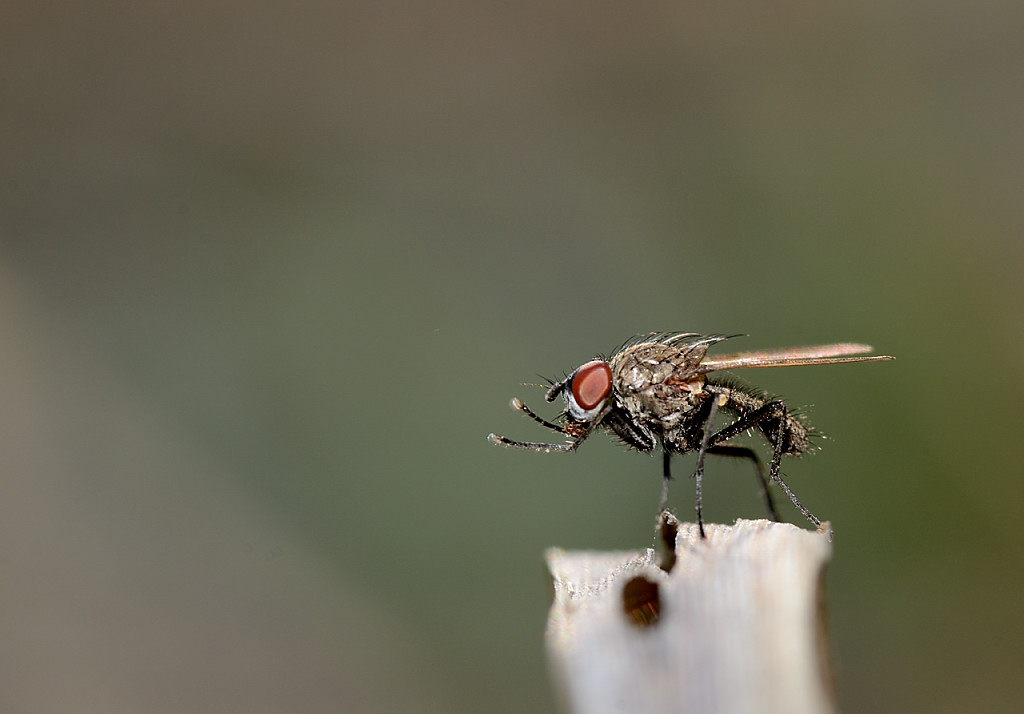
(591, 384)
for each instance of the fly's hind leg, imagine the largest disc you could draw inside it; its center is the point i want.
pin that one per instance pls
(777, 477)
(772, 419)
(745, 452)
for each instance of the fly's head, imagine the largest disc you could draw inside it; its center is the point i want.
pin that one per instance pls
(587, 394)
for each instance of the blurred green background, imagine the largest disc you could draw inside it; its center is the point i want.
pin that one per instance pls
(270, 273)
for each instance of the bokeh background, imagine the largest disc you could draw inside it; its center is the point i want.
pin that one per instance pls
(270, 272)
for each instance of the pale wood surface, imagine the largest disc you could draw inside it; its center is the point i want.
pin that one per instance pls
(738, 630)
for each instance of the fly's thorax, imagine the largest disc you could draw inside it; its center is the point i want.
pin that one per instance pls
(656, 384)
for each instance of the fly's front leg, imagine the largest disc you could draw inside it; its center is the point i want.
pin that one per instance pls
(534, 445)
(518, 405)
(578, 435)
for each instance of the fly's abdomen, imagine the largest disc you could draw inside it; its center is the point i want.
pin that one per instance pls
(776, 421)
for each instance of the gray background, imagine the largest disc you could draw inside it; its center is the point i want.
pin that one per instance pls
(270, 272)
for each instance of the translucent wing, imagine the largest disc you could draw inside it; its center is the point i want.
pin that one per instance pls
(793, 357)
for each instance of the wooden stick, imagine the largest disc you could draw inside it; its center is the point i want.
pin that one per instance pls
(734, 625)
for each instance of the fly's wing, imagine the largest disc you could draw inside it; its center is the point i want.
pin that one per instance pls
(793, 357)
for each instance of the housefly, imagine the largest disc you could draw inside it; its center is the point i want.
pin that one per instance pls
(655, 390)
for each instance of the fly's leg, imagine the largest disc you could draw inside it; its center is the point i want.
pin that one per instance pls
(698, 474)
(745, 452)
(517, 404)
(764, 417)
(533, 445)
(776, 463)
(666, 476)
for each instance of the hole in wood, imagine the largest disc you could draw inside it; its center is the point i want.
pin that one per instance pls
(641, 601)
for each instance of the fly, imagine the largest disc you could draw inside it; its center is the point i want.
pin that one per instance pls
(655, 391)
